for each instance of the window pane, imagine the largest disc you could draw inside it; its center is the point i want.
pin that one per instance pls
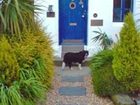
(117, 10)
(121, 8)
(127, 6)
(127, 3)
(117, 3)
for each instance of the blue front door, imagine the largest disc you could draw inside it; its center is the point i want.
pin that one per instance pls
(73, 20)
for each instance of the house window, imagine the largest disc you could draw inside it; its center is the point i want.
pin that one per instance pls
(121, 8)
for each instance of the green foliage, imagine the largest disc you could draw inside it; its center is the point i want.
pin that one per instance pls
(17, 15)
(101, 58)
(32, 57)
(32, 89)
(126, 63)
(24, 92)
(44, 49)
(9, 68)
(104, 81)
(104, 40)
(34, 53)
(26, 55)
(10, 95)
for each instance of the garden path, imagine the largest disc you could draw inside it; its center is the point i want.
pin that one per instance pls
(74, 87)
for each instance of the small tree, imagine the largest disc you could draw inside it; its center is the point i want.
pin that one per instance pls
(126, 63)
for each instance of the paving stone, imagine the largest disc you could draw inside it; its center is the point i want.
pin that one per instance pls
(122, 99)
(75, 72)
(72, 91)
(72, 79)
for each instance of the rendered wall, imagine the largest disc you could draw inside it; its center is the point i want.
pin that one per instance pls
(104, 10)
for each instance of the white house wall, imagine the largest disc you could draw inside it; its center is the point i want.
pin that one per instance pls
(104, 10)
(50, 24)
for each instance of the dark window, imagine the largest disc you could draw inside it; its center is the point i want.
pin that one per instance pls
(121, 8)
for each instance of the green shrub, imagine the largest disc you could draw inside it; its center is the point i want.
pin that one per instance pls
(104, 81)
(18, 86)
(101, 59)
(10, 95)
(23, 92)
(47, 56)
(44, 49)
(126, 63)
(9, 68)
(35, 67)
(34, 53)
(31, 90)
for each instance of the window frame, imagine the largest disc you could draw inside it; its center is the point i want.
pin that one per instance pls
(122, 10)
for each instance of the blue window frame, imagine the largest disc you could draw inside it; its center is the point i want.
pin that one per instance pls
(121, 8)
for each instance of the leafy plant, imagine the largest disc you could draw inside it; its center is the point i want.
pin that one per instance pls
(44, 49)
(10, 95)
(101, 58)
(9, 68)
(17, 15)
(126, 63)
(35, 67)
(29, 71)
(104, 81)
(23, 92)
(34, 53)
(32, 89)
(104, 40)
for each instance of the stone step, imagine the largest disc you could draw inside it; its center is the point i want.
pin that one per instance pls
(72, 91)
(72, 46)
(58, 62)
(72, 79)
(72, 41)
(75, 72)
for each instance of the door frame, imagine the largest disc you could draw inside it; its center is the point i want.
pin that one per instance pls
(61, 36)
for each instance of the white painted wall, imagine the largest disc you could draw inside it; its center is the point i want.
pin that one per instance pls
(104, 9)
(50, 24)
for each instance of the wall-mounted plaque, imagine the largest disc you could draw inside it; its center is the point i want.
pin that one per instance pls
(96, 22)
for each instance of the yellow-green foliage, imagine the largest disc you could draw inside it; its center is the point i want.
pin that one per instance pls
(45, 50)
(104, 81)
(25, 51)
(9, 68)
(126, 63)
(35, 52)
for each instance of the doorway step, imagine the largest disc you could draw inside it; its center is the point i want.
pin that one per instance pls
(72, 46)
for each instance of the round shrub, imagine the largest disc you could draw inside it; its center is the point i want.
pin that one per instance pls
(104, 81)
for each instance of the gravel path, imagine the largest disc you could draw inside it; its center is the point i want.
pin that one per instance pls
(54, 98)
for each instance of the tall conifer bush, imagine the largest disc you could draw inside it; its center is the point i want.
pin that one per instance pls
(126, 63)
